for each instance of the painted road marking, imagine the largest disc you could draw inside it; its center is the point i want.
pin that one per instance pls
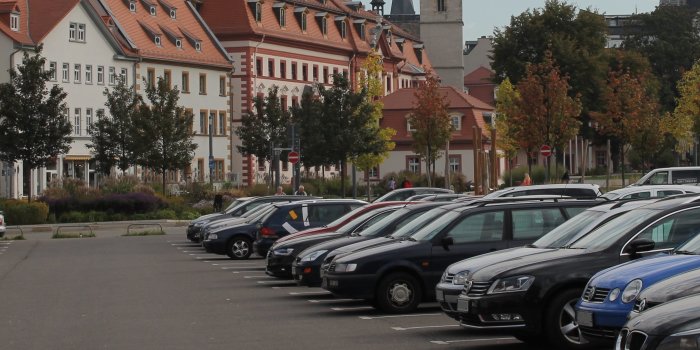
(258, 276)
(423, 327)
(240, 267)
(246, 271)
(396, 316)
(310, 293)
(278, 282)
(329, 300)
(448, 342)
(351, 308)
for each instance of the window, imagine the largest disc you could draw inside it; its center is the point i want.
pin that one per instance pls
(481, 227)
(303, 21)
(203, 122)
(65, 73)
(456, 163)
(52, 68)
(112, 75)
(261, 164)
(295, 101)
(124, 75)
(305, 72)
(283, 69)
(222, 86)
(324, 26)
(413, 164)
(343, 30)
(178, 43)
(258, 67)
(270, 67)
(212, 122)
(673, 230)
(88, 118)
(441, 6)
(186, 82)
(81, 32)
(285, 165)
(373, 173)
(202, 84)
(222, 123)
(100, 75)
(666, 193)
(531, 224)
(325, 75)
(258, 12)
(198, 46)
(132, 6)
(77, 73)
(88, 74)
(294, 71)
(409, 127)
(156, 40)
(219, 169)
(152, 10)
(173, 13)
(283, 17)
(388, 83)
(150, 77)
(76, 121)
(76, 32)
(362, 31)
(638, 195)
(315, 73)
(456, 122)
(167, 77)
(684, 177)
(72, 31)
(14, 22)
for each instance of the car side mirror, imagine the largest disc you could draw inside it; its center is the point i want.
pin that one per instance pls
(640, 245)
(258, 225)
(447, 242)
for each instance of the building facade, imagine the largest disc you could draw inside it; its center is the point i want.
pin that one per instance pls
(441, 27)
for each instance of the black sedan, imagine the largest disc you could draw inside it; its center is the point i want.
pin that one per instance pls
(672, 326)
(533, 297)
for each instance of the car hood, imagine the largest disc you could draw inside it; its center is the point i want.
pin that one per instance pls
(675, 316)
(650, 270)
(220, 224)
(362, 245)
(379, 251)
(672, 288)
(478, 262)
(206, 218)
(308, 240)
(335, 243)
(234, 227)
(309, 232)
(540, 259)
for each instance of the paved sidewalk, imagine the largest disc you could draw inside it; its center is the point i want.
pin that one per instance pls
(100, 229)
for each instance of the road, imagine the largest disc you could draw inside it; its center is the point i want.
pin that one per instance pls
(162, 292)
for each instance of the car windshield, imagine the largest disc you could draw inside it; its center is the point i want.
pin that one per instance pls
(605, 235)
(690, 247)
(354, 223)
(568, 231)
(235, 205)
(256, 211)
(347, 216)
(611, 195)
(429, 231)
(384, 223)
(418, 223)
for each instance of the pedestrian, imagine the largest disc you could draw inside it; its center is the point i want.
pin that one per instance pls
(565, 177)
(300, 191)
(392, 184)
(280, 191)
(527, 181)
(218, 202)
(406, 183)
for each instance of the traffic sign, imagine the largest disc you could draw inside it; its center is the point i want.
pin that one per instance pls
(546, 151)
(293, 157)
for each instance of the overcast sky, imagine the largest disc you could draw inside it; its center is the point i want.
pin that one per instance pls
(481, 17)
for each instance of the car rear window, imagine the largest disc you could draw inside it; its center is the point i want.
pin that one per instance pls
(535, 222)
(681, 177)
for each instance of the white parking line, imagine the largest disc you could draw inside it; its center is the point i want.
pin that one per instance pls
(329, 300)
(8, 242)
(258, 276)
(351, 308)
(278, 282)
(246, 271)
(230, 263)
(395, 316)
(240, 267)
(185, 245)
(310, 293)
(448, 342)
(423, 327)
(200, 252)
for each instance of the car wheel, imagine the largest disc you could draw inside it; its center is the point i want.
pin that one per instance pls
(560, 321)
(398, 293)
(239, 248)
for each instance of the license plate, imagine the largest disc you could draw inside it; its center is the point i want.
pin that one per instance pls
(462, 305)
(294, 270)
(584, 318)
(440, 295)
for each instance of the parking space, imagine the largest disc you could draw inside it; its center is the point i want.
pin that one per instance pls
(426, 328)
(4, 246)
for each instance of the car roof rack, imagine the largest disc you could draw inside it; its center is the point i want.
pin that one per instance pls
(621, 202)
(553, 199)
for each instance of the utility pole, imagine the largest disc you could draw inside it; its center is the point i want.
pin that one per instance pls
(211, 149)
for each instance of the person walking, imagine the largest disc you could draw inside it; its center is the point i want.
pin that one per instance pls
(565, 177)
(392, 184)
(300, 191)
(406, 183)
(280, 191)
(527, 181)
(218, 202)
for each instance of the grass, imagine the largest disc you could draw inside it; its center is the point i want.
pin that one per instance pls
(73, 235)
(144, 233)
(14, 238)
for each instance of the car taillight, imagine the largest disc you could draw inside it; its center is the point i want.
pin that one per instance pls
(267, 233)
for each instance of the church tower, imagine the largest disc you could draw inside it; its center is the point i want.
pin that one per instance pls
(441, 32)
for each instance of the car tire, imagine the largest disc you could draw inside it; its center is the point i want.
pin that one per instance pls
(239, 248)
(398, 293)
(561, 328)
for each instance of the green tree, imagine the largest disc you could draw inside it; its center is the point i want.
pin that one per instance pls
(34, 128)
(669, 38)
(506, 130)
(307, 115)
(431, 122)
(112, 138)
(684, 123)
(163, 131)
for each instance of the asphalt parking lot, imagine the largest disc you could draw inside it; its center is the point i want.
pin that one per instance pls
(163, 292)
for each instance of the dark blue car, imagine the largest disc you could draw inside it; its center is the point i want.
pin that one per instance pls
(610, 295)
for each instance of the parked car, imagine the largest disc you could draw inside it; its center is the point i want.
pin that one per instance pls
(567, 190)
(689, 175)
(533, 297)
(279, 260)
(452, 282)
(445, 197)
(397, 277)
(402, 194)
(341, 221)
(293, 217)
(610, 295)
(3, 228)
(307, 262)
(652, 191)
(672, 288)
(672, 326)
(231, 221)
(239, 207)
(235, 239)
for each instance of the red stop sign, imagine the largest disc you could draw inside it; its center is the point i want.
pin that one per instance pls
(546, 150)
(293, 157)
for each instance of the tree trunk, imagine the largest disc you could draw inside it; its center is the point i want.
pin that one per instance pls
(163, 182)
(622, 162)
(430, 159)
(342, 177)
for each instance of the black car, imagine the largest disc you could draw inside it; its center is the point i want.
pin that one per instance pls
(307, 264)
(235, 239)
(452, 281)
(397, 277)
(294, 217)
(676, 287)
(239, 207)
(279, 260)
(672, 326)
(402, 193)
(533, 297)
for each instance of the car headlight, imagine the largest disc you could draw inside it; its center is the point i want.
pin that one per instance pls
(212, 236)
(313, 256)
(283, 251)
(342, 267)
(614, 294)
(460, 278)
(681, 341)
(511, 284)
(631, 291)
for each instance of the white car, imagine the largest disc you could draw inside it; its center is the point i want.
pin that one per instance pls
(567, 190)
(651, 191)
(2, 225)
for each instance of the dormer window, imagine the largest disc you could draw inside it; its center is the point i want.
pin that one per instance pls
(132, 6)
(360, 27)
(303, 21)
(156, 39)
(280, 9)
(389, 37)
(258, 12)
(173, 13)
(173, 36)
(14, 22)
(194, 41)
(172, 10)
(342, 27)
(323, 22)
(399, 42)
(178, 43)
(152, 10)
(418, 49)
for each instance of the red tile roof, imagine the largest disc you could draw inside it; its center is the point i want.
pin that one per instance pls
(21, 36)
(402, 99)
(479, 76)
(45, 14)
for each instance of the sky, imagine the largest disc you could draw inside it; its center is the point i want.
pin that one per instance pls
(481, 17)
